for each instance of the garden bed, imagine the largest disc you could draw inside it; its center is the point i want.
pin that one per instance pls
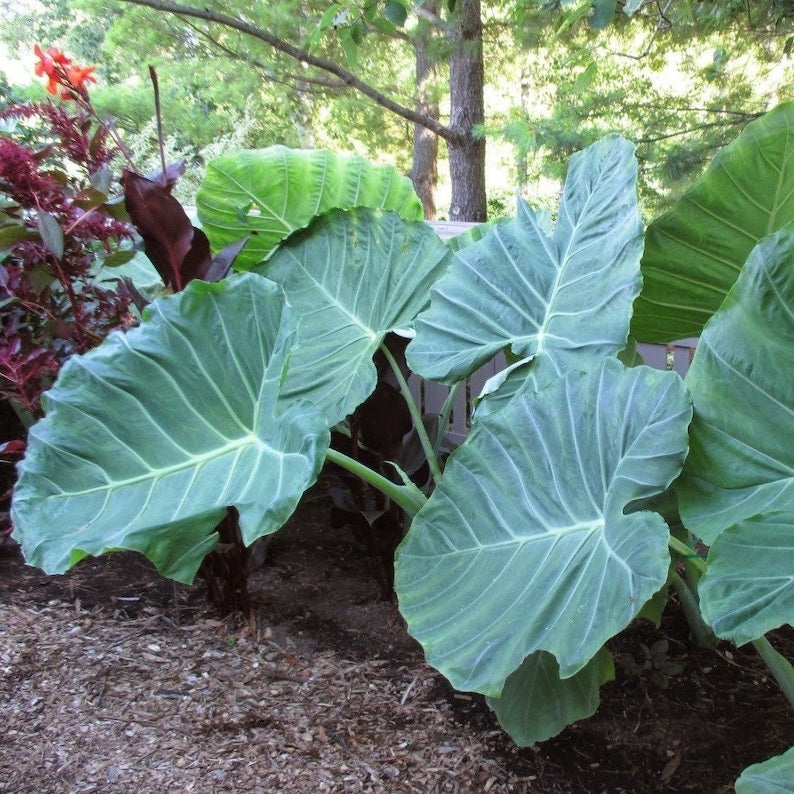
(113, 679)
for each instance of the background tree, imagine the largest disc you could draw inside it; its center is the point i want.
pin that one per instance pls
(677, 78)
(462, 31)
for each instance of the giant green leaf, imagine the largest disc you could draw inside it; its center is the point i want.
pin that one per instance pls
(526, 545)
(149, 437)
(553, 299)
(775, 776)
(352, 277)
(748, 587)
(537, 704)
(269, 193)
(741, 461)
(737, 488)
(694, 252)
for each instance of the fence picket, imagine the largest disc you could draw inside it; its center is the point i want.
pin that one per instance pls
(430, 396)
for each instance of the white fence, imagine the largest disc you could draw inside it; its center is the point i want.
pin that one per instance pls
(430, 396)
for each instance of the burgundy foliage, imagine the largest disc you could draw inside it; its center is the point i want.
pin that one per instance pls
(56, 228)
(54, 231)
(179, 251)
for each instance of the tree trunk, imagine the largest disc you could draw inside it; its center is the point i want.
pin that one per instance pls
(424, 173)
(467, 109)
(466, 152)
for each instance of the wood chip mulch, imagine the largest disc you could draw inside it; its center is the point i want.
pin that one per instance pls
(94, 701)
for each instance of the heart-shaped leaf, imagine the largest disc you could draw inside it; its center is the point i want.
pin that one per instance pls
(270, 193)
(149, 437)
(742, 438)
(526, 545)
(352, 277)
(736, 489)
(554, 300)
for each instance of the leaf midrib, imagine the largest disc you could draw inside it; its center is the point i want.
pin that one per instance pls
(193, 461)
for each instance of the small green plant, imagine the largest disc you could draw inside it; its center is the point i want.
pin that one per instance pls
(654, 664)
(543, 535)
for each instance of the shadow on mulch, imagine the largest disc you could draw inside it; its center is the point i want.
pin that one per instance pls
(683, 719)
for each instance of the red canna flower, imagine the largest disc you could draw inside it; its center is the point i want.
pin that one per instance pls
(78, 75)
(48, 63)
(63, 77)
(49, 59)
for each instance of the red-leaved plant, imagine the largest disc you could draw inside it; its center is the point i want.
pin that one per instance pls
(57, 229)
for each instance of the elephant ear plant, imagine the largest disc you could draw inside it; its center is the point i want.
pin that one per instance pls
(531, 546)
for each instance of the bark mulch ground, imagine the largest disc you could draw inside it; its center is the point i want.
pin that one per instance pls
(113, 679)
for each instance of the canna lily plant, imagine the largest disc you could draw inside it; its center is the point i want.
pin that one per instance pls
(555, 524)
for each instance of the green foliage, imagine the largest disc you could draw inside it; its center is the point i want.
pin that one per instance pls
(538, 541)
(536, 704)
(598, 233)
(64, 23)
(270, 193)
(771, 777)
(363, 273)
(515, 554)
(210, 75)
(216, 437)
(694, 252)
(734, 493)
(680, 92)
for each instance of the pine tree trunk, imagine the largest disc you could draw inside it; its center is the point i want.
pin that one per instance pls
(467, 109)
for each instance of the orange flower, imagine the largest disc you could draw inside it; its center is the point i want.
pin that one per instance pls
(48, 64)
(78, 75)
(49, 60)
(62, 75)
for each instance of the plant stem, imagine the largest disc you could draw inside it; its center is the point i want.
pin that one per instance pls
(778, 665)
(159, 118)
(443, 417)
(701, 631)
(687, 553)
(416, 416)
(409, 498)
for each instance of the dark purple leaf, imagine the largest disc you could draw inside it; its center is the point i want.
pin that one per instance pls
(198, 259)
(137, 299)
(222, 263)
(170, 241)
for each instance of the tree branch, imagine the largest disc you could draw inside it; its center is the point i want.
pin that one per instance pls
(698, 128)
(291, 79)
(431, 17)
(348, 78)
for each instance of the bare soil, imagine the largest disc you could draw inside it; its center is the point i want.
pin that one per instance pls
(113, 679)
